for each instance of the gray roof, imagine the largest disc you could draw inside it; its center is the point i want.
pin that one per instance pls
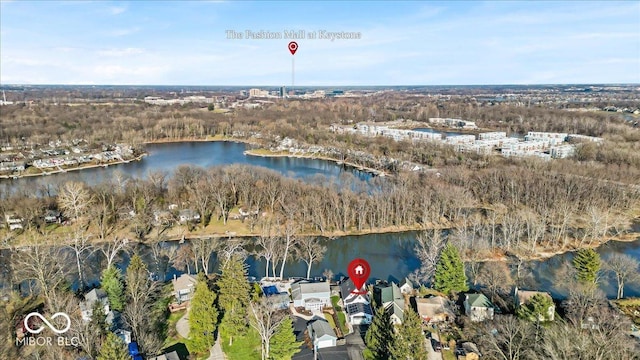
(393, 308)
(185, 281)
(169, 356)
(309, 289)
(319, 328)
(95, 295)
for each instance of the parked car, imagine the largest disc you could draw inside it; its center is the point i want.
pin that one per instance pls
(437, 346)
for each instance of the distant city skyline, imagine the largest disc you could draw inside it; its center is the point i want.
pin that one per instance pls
(390, 43)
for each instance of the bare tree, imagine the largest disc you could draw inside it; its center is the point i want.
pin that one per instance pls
(203, 248)
(266, 248)
(82, 248)
(74, 198)
(429, 245)
(624, 269)
(184, 257)
(266, 319)
(232, 247)
(507, 338)
(309, 250)
(496, 278)
(111, 249)
(47, 266)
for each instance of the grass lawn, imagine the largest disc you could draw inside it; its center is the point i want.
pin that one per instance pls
(342, 318)
(244, 348)
(448, 355)
(172, 334)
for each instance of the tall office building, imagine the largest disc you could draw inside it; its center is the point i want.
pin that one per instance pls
(283, 91)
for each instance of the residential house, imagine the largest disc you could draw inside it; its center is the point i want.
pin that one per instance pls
(436, 309)
(385, 293)
(184, 287)
(321, 334)
(390, 296)
(168, 356)
(406, 286)
(356, 303)
(522, 297)
(90, 298)
(188, 215)
(124, 335)
(13, 222)
(478, 307)
(52, 216)
(311, 295)
(277, 300)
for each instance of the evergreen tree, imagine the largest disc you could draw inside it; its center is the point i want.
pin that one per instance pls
(379, 337)
(234, 298)
(112, 284)
(204, 316)
(450, 276)
(408, 342)
(536, 309)
(587, 264)
(283, 343)
(113, 349)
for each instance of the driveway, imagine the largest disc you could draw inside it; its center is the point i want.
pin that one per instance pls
(340, 352)
(432, 354)
(182, 326)
(355, 342)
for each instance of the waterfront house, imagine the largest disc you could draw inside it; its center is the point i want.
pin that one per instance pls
(13, 222)
(183, 287)
(53, 216)
(522, 297)
(355, 303)
(478, 307)
(406, 286)
(321, 334)
(385, 293)
(92, 297)
(311, 295)
(277, 300)
(188, 215)
(436, 309)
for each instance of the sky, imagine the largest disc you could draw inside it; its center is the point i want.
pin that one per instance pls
(400, 43)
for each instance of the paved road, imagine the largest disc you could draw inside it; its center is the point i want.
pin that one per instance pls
(216, 351)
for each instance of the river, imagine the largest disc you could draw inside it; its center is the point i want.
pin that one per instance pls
(390, 255)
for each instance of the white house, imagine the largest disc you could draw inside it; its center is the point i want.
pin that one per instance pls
(356, 303)
(184, 287)
(478, 307)
(13, 222)
(187, 215)
(321, 333)
(90, 298)
(311, 295)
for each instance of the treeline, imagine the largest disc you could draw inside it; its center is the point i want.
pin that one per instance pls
(508, 208)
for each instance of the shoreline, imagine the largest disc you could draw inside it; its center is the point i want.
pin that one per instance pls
(315, 157)
(79, 168)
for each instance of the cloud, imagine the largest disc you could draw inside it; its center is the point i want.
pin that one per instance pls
(120, 52)
(117, 10)
(123, 32)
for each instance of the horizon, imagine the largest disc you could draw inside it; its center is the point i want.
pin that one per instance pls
(394, 44)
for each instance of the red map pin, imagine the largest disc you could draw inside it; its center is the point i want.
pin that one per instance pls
(293, 47)
(359, 271)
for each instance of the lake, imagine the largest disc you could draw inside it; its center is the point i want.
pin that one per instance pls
(390, 255)
(169, 156)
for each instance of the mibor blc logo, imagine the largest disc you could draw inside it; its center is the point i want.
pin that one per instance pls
(46, 322)
(40, 340)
